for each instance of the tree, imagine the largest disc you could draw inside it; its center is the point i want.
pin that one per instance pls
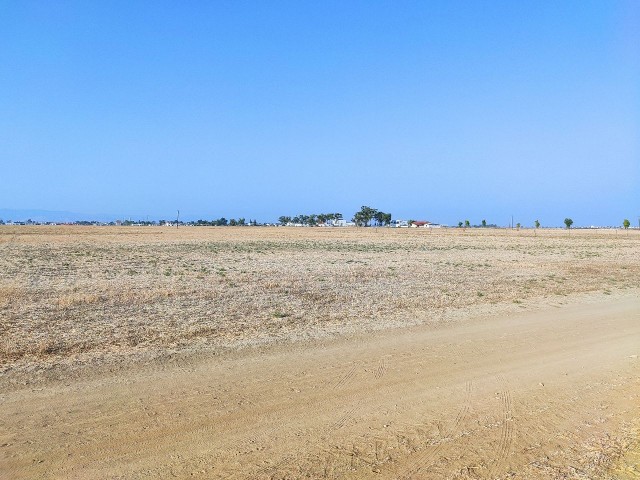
(467, 223)
(626, 223)
(484, 223)
(312, 219)
(284, 220)
(568, 222)
(536, 224)
(364, 216)
(359, 219)
(518, 225)
(382, 218)
(233, 222)
(367, 214)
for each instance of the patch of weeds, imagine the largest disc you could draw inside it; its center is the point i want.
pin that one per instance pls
(480, 294)
(167, 272)
(281, 315)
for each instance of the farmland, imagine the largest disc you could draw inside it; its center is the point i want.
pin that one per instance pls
(291, 309)
(81, 293)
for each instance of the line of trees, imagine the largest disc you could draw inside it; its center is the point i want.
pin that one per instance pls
(223, 222)
(310, 220)
(367, 215)
(568, 222)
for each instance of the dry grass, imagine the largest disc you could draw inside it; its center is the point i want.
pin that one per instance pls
(78, 292)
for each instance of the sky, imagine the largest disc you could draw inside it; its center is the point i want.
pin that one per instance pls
(440, 111)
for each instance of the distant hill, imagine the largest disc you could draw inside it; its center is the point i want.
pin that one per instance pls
(22, 215)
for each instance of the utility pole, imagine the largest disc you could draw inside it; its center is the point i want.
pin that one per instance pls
(178, 220)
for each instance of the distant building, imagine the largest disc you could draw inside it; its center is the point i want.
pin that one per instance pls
(343, 223)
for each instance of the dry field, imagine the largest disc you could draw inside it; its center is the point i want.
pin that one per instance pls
(286, 353)
(75, 294)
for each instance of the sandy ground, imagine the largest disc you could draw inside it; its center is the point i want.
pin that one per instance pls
(552, 392)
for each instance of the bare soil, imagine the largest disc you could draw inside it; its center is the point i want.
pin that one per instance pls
(547, 394)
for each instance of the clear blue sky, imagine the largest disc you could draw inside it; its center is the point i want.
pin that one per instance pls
(430, 110)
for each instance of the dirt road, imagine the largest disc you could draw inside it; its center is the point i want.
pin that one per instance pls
(553, 393)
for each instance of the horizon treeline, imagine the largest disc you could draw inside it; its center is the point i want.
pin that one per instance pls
(311, 219)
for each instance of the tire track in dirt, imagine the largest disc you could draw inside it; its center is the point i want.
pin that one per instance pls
(381, 370)
(261, 437)
(507, 434)
(352, 408)
(271, 470)
(345, 379)
(111, 449)
(342, 420)
(426, 457)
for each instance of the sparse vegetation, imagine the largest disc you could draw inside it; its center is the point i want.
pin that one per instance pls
(101, 292)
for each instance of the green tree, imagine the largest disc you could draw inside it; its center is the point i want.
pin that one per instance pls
(359, 219)
(484, 223)
(568, 222)
(233, 222)
(518, 225)
(467, 223)
(536, 224)
(626, 223)
(284, 220)
(364, 216)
